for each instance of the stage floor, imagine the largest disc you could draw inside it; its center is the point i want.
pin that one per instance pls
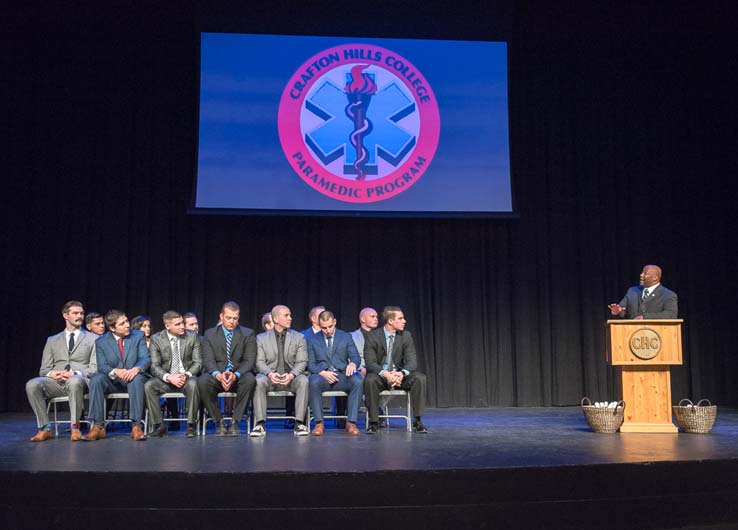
(500, 468)
(458, 439)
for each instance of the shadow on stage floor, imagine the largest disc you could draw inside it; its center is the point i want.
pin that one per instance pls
(477, 468)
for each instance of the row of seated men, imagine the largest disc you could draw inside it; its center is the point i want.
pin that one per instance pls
(227, 358)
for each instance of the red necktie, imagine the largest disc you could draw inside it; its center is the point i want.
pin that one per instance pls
(122, 355)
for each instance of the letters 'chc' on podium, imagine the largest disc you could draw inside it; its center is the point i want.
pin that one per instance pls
(643, 350)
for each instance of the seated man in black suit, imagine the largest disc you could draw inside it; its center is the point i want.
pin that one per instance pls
(391, 363)
(228, 357)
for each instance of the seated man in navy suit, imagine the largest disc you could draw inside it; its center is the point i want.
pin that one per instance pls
(122, 361)
(650, 299)
(333, 361)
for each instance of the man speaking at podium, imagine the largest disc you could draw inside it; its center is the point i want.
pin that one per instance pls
(650, 299)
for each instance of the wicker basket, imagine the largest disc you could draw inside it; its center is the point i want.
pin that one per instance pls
(603, 419)
(695, 419)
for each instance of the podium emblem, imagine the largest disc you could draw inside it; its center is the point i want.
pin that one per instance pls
(645, 343)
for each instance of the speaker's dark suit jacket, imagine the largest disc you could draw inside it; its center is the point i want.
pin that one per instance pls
(404, 356)
(661, 303)
(243, 350)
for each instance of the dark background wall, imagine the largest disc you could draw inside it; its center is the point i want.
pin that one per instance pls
(623, 145)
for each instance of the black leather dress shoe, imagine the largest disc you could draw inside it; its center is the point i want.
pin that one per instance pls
(419, 427)
(372, 428)
(159, 431)
(233, 429)
(221, 429)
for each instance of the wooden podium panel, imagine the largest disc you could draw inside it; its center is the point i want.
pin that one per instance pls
(619, 352)
(647, 396)
(643, 350)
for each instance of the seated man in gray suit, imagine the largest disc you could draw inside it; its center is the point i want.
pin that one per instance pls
(228, 356)
(281, 361)
(67, 364)
(122, 364)
(175, 364)
(650, 299)
(391, 363)
(368, 322)
(333, 362)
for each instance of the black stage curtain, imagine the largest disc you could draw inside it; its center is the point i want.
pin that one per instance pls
(623, 144)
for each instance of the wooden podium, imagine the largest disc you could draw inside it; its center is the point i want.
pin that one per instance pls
(644, 350)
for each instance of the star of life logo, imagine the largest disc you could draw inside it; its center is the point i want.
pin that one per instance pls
(359, 123)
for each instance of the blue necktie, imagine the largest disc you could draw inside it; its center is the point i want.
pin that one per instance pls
(330, 353)
(390, 365)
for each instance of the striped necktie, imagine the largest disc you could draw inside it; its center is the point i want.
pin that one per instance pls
(229, 340)
(390, 347)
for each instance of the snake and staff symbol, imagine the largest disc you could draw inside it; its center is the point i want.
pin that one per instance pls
(359, 92)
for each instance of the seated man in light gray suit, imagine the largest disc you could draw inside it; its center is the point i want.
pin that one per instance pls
(67, 364)
(175, 364)
(650, 299)
(281, 361)
(368, 322)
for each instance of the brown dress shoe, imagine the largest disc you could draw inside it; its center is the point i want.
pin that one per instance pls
(76, 436)
(42, 436)
(318, 429)
(352, 429)
(96, 433)
(138, 434)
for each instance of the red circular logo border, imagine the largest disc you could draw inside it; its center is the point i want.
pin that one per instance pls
(292, 142)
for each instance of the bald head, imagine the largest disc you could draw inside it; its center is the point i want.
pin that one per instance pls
(282, 317)
(368, 319)
(650, 275)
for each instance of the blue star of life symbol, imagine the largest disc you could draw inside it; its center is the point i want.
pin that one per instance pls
(387, 140)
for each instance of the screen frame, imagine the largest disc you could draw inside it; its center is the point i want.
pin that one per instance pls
(193, 209)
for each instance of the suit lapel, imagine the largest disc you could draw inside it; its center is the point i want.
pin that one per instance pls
(126, 349)
(287, 344)
(236, 340)
(383, 347)
(62, 343)
(166, 351)
(114, 348)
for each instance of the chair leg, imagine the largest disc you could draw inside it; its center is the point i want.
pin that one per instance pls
(408, 418)
(56, 422)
